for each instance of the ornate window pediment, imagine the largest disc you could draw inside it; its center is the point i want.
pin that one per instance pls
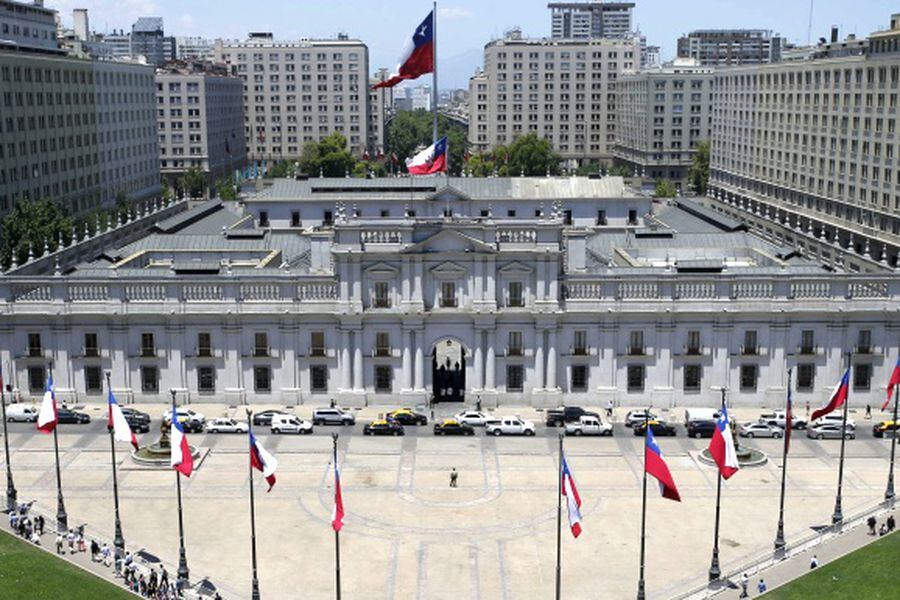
(450, 241)
(449, 270)
(515, 269)
(381, 269)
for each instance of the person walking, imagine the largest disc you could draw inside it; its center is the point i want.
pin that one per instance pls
(70, 539)
(164, 578)
(883, 530)
(890, 522)
(95, 550)
(761, 586)
(813, 562)
(104, 554)
(59, 543)
(744, 582)
(39, 522)
(868, 411)
(609, 409)
(871, 523)
(454, 477)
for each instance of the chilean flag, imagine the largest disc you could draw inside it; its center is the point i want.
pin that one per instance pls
(337, 515)
(182, 459)
(837, 398)
(721, 446)
(117, 423)
(262, 461)
(656, 466)
(573, 500)
(47, 419)
(417, 57)
(432, 159)
(895, 379)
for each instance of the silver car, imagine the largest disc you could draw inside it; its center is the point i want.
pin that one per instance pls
(751, 430)
(829, 432)
(473, 418)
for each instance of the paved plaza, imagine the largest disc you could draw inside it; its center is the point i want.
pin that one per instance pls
(408, 535)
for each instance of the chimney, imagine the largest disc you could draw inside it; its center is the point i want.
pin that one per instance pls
(834, 33)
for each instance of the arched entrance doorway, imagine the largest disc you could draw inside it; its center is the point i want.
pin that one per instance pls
(448, 371)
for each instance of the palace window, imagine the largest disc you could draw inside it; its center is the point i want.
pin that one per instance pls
(807, 342)
(579, 378)
(317, 343)
(318, 378)
(750, 347)
(34, 345)
(579, 344)
(749, 376)
(206, 379)
(514, 343)
(260, 344)
(693, 343)
(864, 342)
(91, 347)
(149, 380)
(148, 345)
(384, 375)
(806, 377)
(382, 294)
(862, 377)
(93, 380)
(262, 378)
(635, 378)
(382, 343)
(692, 375)
(204, 344)
(516, 298)
(636, 343)
(448, 294)
(514, 378)
(36, 379)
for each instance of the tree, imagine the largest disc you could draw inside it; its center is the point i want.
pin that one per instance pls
(665, 189)
(699, 173)
(31, 224)
(225, 189)
(283, 168)
(193, 181)
(329, 156)
(532, 155)
(411, 130)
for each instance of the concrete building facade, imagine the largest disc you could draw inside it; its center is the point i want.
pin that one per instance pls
(27, 26)
(200, 121)
(381, 107)
(808, 150)
(300, 91)
(561, 90)
(662, 115)
(590, 20)
(727, 47)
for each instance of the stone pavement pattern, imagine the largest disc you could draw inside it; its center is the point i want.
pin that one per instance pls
(408, 535)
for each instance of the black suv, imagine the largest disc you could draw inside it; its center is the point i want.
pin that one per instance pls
(137, 420)
(65, 415)
(659, 428)
(701, 429)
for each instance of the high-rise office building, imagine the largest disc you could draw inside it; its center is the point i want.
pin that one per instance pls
(149, 40)
(299, 91)
(727, 47)
(27, 26)
(560, 90)
(590, 20)
(381, 106)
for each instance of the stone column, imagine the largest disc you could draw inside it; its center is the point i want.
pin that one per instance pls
(417, 284)
(345, 360)
(478, 288)
(358, 384)
(539, 278)
(407, 360)
(489, 368)
(551, 360)
(491, 279)
(478, 382)
(539, 360)
(420, 361)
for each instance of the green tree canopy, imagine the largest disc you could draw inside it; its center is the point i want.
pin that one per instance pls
(665, 189)
(329, 156)
(532, 155)
(193, 181)
(699, 173)
(225, 189)
(30, 224)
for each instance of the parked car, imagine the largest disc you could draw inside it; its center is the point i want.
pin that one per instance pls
(509, 426)
(332, 416)
(191, 420)
(758, 429)
(779, 418)
(567, 414)
(475, 418)
(282, 423)
(264, 417)
(383, 427)
(700, 429)
(69, 416)
(880, 429)
(695, 414)
(637, 416)
(453, 427)
(829, 431)
(137, 420)
(405, 416)
(835, 418)
(21, 413)
(659, 428)
(226, 425)
(589, 425)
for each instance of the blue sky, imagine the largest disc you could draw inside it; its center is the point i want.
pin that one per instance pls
(464, 26)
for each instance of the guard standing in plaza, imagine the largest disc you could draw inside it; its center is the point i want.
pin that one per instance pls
(454, 476)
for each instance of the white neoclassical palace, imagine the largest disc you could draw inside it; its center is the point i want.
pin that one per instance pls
(520, 290)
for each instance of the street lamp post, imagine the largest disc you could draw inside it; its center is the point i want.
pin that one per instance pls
(11, 494)
(62, 519)
(119, 540)
(183, 572)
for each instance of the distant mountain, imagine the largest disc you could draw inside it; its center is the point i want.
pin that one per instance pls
(454, 71)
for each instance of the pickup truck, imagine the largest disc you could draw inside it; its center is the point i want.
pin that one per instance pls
(589, 426)
(778, 418)
(509, 426)
(567, 414)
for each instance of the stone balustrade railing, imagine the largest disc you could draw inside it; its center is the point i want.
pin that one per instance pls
(380, 236)
(516, 236)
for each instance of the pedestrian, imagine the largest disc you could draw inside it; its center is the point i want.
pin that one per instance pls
(104, 554)
(883, 530)
(70, 538)
(868, 411)
(14, 520)
(454, 476)
(95, 550)
(761, 587)
(35, 539)
(164, 578)
(890, 522)
(82, 547)
(59, 543)
(609, 409)
(40, 523)
(744, 581)
(807, 410)
(871, 523)
(813, 562)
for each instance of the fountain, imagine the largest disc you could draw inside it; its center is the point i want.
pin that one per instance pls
(159, 453)
(747, 456)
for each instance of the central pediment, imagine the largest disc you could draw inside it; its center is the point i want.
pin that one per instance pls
(450, 241)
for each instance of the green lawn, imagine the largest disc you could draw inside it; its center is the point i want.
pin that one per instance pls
(870, 573)
(28, 573)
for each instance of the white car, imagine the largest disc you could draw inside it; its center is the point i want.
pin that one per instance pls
(290, 424)
(589, 426)
(185, 415)
(835, 418)
(509, 426)
(226, 425)
(473, 418)
(26, 413)
(636, 417)
(779, 418)
(758, 429)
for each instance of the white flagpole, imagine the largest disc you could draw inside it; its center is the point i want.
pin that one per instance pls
(434, 79)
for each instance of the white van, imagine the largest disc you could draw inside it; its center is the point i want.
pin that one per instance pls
(290, 424)
(693, 415)
(27, 413)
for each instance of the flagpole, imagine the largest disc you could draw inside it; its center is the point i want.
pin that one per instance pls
(62, 519)
(119, 540)
(434, 79)
(559, 476)
(714, 571)
(254, 594)
(183, 572)
(837, 517)
(788, 418)
(337, 534)
(11, 494)
(640, 592)
(889, 491)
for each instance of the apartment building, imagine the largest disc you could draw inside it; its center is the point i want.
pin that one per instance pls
(381, 107)
(149, 40)
(807, 151)
(27, 26)
(662, 115)
(726, 47)
(299, 91)
(200, 120)
(590, 20)
(561, 90)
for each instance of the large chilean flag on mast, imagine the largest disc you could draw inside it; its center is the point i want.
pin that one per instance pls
(721, 446)
(432, 159)
(837, 398)
(417, 58)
